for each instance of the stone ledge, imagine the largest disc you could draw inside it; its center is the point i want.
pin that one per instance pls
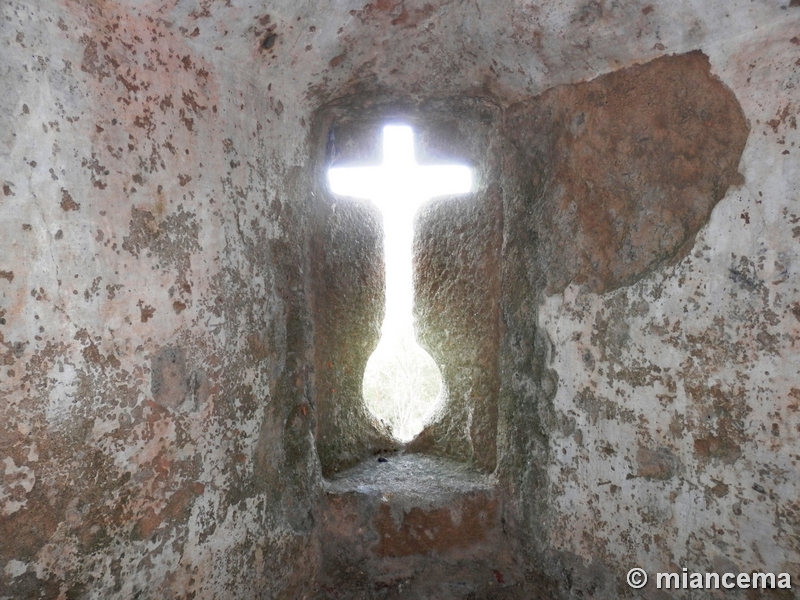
(412, 480)
(413, 519)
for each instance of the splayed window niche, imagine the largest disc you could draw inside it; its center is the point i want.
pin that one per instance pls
(401, 381)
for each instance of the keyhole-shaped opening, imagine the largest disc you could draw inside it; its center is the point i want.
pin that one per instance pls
(401, 380)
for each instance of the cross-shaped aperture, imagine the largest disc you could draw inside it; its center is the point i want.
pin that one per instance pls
(400, 184)
(398, 187)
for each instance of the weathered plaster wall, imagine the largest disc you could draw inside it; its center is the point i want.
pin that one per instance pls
(670, 438)
(155, 436)
(675, 439)
(156, 380)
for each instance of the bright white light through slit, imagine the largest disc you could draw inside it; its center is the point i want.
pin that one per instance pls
(401, 381)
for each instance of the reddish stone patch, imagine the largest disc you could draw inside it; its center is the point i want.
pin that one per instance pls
(783, 117)
(92, 354)
(27, 530)
(659, 464)
(337, 60)
(618, 174)
(146, 311)
(189, 99)
(91, 62)
(420, 531)
(720, 434)
(177, 509)
(719, 447)
(720, 490)
(7, 275)
(396, 13)
(258, 346)
(67, 203)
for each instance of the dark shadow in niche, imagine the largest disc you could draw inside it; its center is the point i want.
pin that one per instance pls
(456, 278)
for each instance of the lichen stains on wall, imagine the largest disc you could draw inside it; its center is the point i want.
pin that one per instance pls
(155, 436)
(676, 415)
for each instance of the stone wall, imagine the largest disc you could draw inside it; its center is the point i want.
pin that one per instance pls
(652, 408)
(158, 372)
(155, 435)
